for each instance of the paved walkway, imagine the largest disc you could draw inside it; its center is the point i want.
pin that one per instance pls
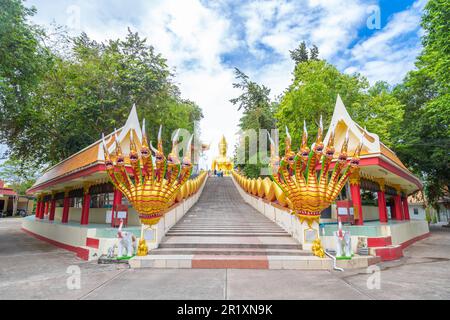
(32, 269)
(222, 227)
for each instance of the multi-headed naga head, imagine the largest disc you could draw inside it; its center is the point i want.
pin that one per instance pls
(108, 162)
(186, 163)
(318, 146)
(159, 153)
(120, 158)
(304, 149)
(329, 149)
(343, 154)
(172, 157)
(274, 157)
(354, 161)
(134, 157)
(153, 188)
(309, 190)
(289, 155)
(145, 150)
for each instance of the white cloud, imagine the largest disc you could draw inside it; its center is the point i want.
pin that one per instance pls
(193, 35)
(388, 55)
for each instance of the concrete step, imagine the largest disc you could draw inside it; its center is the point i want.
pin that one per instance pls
(373, 242)
(387, 253)
(231, 245)
(229, 251)
(248, 262)
(228, 234)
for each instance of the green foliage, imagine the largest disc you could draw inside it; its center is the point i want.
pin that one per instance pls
(313, 93)
(425, 94)
(300, 54)
(90, 90)
(23, 61)
(255, 102)
(382, 113)
(18, 174)
(428, 215)
(314, 53)
(258, 113)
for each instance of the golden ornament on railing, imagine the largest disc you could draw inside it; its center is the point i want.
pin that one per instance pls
(269, 189)
(154, 187)
(297, 179)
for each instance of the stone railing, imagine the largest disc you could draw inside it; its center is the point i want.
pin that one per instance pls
(263, 188)
(185, 199)
(267, 197)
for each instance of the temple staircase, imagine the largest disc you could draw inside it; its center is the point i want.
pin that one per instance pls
(222, 231)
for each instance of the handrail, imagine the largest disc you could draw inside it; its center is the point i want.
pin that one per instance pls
(335, 267)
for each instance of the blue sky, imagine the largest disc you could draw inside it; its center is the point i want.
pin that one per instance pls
(204, 40)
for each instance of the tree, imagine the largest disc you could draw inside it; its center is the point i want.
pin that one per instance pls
(383, 114)
(91, 92)
(18, 174)
(426, 96)
(313, 93)
(314, 53)
(300, 54)
(255, 101)
(258, 113)
(23, 62)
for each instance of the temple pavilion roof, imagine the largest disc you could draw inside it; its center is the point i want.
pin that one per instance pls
(87, 165)
(377, 160)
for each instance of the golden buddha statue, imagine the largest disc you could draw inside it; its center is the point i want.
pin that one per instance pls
(222, 162)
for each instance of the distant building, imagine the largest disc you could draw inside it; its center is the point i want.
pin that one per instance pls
(418, 207)
(11, 202)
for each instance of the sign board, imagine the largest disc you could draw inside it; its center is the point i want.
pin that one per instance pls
(310, 235)
(121, 214)
(108, 216)
(149, 235)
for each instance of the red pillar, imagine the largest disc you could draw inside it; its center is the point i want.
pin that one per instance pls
(117, 200)
(66, 205)
(85, 207)
(398, 207)
(45, 209)
(51, 217)
(382, 206)
(40, 212)
(38, 209)
(405, 208)
(356, 198)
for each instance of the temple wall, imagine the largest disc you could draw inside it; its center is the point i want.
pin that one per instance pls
(68, 235)
(403, 233)
(96, 215)
(75, 238)
(370, 213)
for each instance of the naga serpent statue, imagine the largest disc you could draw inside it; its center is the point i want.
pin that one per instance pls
(295, 173)
(151, 188)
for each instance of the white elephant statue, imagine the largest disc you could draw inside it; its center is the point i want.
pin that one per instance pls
(343, 242)
(127, 242)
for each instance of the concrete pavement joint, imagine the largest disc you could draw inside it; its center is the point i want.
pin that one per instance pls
(343, 279)
(103, 284)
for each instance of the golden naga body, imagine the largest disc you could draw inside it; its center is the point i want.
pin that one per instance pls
(222, 162)
(152, 188)
(317, 248)
(142, 249)
(295, 173)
